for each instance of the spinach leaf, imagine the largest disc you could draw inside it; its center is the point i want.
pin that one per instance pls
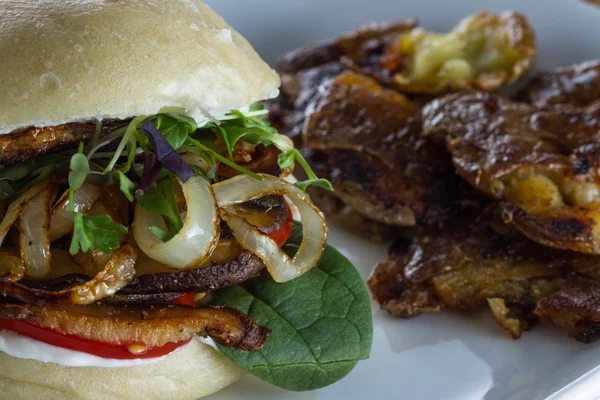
(321, 321)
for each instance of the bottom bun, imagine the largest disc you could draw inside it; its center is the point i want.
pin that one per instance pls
(193, 372)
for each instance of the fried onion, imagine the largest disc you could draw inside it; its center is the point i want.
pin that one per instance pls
(197, 239)
(117, 273)
(62, 220)
(242, 188)
(35, 233)
(16, 207)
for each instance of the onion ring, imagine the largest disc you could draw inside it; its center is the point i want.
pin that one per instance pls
(11, 267)
(117, 273)
(34, 237)
(16, 207)
(62, 220)
(198, 238)
(242, 188)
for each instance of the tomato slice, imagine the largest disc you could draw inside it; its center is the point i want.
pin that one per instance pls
(281, 236)
(187, 299)
(72, 342)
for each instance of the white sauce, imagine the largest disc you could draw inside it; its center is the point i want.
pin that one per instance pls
(20, 346)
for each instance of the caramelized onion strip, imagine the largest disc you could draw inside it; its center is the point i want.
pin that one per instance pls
(242, 188)
(11, 267)
(117, 273)
(195, 242)
(62, 220)
(35, 233)
(16, 207)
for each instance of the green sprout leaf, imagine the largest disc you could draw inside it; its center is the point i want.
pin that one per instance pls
(80, 169)
(175, 128)
(160, 200)
(161, 234)
(94, 232)
(125, 184)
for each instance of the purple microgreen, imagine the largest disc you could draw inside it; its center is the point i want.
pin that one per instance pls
(166, 154)
(151, 169)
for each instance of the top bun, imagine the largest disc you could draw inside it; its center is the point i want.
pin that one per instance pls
(75, 60)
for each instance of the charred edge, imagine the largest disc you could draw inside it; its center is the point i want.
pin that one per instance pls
(38, 297)
(251, 336)
(583, 165)
(586, 331)
(553, 228)
(571, 227)
(152, 299)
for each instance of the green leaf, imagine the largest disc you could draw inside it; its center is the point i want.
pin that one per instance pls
(125, 184)
(321, 322)
(80, 169)
(160, 200)
(323, 183)
(161, 234)
(95, 232)
(256, 107)
(286, 159)
(222, 159)
(175, 128)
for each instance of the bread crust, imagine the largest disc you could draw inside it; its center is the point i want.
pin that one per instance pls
(69, 60)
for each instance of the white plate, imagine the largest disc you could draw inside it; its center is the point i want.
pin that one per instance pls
(445, 355)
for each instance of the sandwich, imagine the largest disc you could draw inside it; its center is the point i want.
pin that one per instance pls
(151, 229)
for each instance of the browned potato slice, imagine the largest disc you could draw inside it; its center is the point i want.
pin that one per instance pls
(378, 162)
(576, 86)
(465, 264)
(333, 49)
(483, 52)
(543, 164)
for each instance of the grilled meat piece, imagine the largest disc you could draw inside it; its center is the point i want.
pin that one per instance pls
(378, 162)
(31, 142)
(576, 86)
(542, 164)
(465, 264)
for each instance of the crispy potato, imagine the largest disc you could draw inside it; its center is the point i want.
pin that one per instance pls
(348, 43)
(483, 52)
(302, 71)
(542, 164)
(378, 162)
(465, 264)
(576, 86)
